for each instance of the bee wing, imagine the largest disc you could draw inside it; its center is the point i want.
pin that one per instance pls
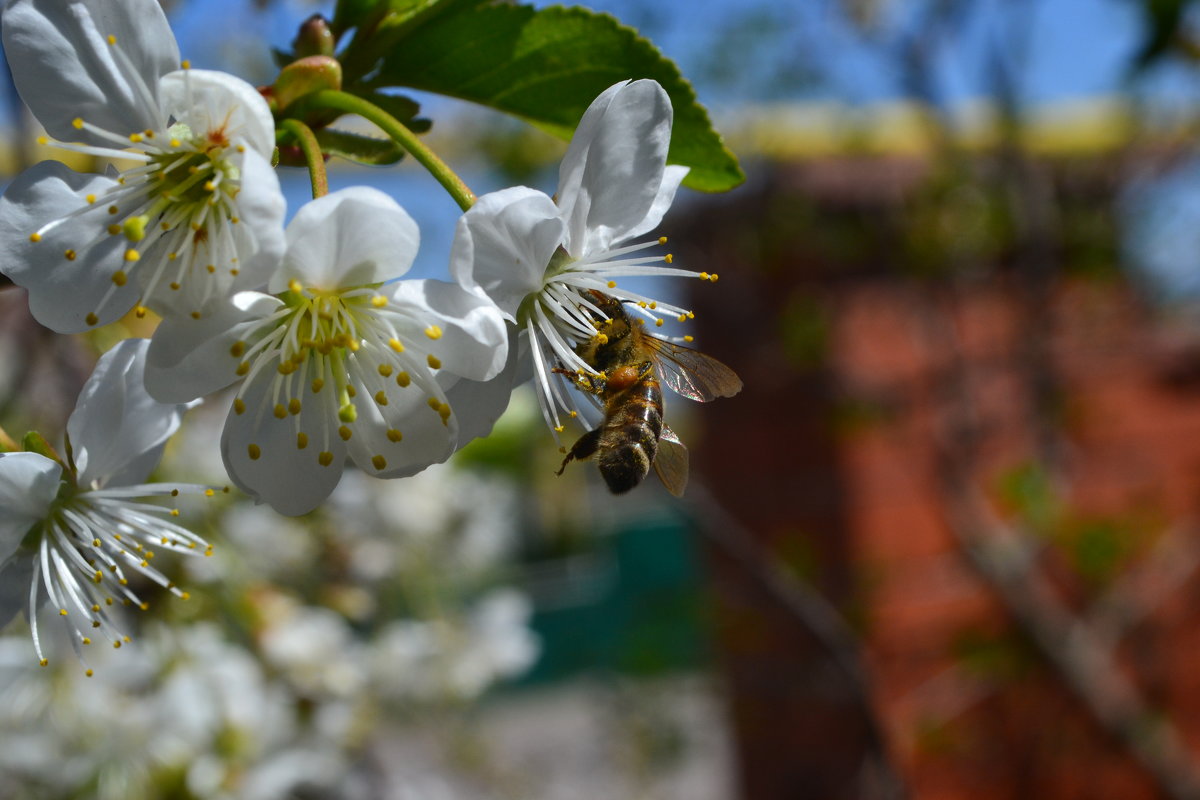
(671, 462)
(693, 374)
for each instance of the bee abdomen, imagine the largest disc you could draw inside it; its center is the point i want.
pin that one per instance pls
(626, 465)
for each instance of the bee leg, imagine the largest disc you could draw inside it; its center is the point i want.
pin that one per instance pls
(585, 447)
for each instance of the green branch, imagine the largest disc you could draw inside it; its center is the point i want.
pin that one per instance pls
(307, 140)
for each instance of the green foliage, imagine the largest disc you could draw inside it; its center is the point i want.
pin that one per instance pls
(546, 67)
(361, 149)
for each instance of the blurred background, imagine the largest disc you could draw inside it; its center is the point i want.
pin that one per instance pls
(944, 544)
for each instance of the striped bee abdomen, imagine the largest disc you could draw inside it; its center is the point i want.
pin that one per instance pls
(630, 433)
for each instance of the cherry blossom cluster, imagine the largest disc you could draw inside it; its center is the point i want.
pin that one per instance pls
(333, 355)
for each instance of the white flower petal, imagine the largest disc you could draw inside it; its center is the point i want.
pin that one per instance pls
(478, 404)
(289, 478)
(353, 237)
(189, 358)
(64, 67)
(503, 244)
(116, 422)
(28, 485)
(613, 170)
(425, 439)
(471, 342)
(261, 209)
(62, 292)
(209, 102)
(672, 177)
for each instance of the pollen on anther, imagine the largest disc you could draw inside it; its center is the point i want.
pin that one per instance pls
(559, 428)
(175, 143)
(242, 368)
(345, 433)
(132, 255)
(174, 512)
(280, 411)
(394, 435)
(195, 315)
(185, 64)
(379, 462)
(35, 237)
(381, 398)
(682, 317)
(317, 384)
(237, 349)
(140, 311)
(254, 451)
(135, 137)
(43, 140)
(403, 379)
(301, 440)
(658, 323)
(114, 229)
(396, 345)
(113, 210)
(704, 276)
(325, 458)
(433, 332)
(112, 39)
(689, 338)
(294, 406)
(434, 361)
(669, 258)
(239, 406)
(612, 284)
(69, 255)
(91, 318)
(379, 301)
(77, 123)
(91, 198)
(211, 268)
(119, 277)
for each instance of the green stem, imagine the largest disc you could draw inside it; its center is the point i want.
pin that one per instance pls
(342, 101)
(311, 148)
(7, 443)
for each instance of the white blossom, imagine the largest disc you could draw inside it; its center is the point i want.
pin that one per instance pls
(539, 258)
(345, 362)
(74, 534)
(197, 215)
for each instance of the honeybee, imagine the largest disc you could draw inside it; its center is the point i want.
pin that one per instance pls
(628, 364)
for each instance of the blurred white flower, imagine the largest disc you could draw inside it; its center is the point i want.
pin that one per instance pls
(200, 215)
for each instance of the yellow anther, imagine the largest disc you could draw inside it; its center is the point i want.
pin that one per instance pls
(689, 338)
(119, 277)
(174, 285)
(91, 319)
(662, 240)
(185, 596)
(385, 370)
(113, 210)
(254, 451)
(132, 255)
(174, 512)
(95, 542)
(234, 220)
(559, 428)
(658, 323)
(97, 576)
(140, 311)
(207, 493)
(612, 284)
(641, 303)
(149, 134)
(395, 344)
(301, 440)
(241, 148)
(237, 349)
(242, 368)
(69, 255)
(234, 271)
(212, 268)
(713, 278)
(43, 140)
(381, 398)
(318, 384)
(195, 315)
(114, 229)
(669, 258)
(62, 612)
(350, 390)
(294, 286)
(573, 414)
(602, 338)
(434, 361)
(95, 607)
(325, 458)
(35, 237)
(345, 433)
(175, 143)
(403, 379)
(185, 64)
(135, 137)
(379, 462)
(91, 198)
(433, 332)
(704, 276)
(77, 123)
(394, 435)
(682, 318)
(379, 301)
(43, 662)
(280, 411)
(434, 403)
(239, 405)
(294, 406)
(112, 39)
(209, 186)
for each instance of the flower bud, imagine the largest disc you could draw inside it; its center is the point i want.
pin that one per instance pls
(314, 38)
(307, 75)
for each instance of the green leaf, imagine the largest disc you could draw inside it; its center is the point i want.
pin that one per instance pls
(547, 66)
(403, 108)
(361, 149)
